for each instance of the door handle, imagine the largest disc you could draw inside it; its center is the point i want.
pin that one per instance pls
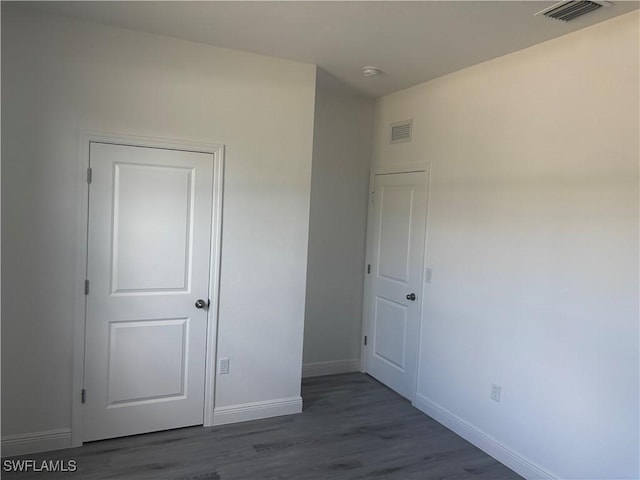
(412, 297)
(201, 303)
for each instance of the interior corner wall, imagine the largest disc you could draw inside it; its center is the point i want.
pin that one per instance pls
(533, 244)
(61, 76)
(337, 228)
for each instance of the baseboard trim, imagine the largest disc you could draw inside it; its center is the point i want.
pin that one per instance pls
(25, 443)
(334, 367)
(484, 442)
(256, 410)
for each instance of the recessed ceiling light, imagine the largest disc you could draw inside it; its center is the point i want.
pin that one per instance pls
(370, 71)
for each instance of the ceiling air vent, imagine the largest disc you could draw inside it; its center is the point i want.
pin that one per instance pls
(566, 11)
(401, 131)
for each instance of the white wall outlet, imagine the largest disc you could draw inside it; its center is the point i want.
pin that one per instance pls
(223, 366)
(428, 272)
(496, 391)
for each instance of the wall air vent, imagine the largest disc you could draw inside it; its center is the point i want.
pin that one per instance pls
(566, 11)
(401, 131)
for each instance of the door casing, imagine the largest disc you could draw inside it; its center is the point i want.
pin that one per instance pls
(408, 167)
(217, 150)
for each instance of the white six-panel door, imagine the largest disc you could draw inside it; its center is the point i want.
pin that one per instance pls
(396, 253)
(149, 244)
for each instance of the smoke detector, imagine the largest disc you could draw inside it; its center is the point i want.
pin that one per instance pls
(370, 71)
(566, 11)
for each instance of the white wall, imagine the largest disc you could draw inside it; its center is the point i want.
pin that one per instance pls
(60, 76)
(337, 228)
(533, 241)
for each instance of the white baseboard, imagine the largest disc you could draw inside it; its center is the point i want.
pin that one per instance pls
(484, 442)
(35, 442)
(317, 369)
(257, 410)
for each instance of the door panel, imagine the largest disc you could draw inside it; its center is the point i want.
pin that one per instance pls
(390, 332)
(148, 262)
(395, 232)
(397, 244)
(134, 377)
(154, 225)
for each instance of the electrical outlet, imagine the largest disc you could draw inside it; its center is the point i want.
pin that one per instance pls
(223, 366)
(496, 391)
(428, 273)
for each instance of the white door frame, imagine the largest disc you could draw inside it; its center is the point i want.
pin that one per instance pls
(217, 150)
(407, 167)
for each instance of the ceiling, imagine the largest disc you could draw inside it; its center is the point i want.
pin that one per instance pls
(411, 42)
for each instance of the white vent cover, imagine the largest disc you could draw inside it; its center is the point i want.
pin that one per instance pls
(566, 11)
(401, 131)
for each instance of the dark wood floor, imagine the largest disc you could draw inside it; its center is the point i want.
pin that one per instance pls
(352, 427)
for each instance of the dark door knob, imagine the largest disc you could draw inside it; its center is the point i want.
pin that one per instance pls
(200, 303)
(412, 297)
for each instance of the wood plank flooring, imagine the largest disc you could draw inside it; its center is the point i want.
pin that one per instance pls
(351, 427)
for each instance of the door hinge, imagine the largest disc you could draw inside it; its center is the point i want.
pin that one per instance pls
(369, 268)
(83, 395)
(86, 287)
(89, 175)
(365, 340)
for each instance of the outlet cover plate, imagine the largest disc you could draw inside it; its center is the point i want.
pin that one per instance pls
(496, 392)
(223, 366)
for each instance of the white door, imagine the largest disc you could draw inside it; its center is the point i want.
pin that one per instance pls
(397, 246)
(149, 243)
